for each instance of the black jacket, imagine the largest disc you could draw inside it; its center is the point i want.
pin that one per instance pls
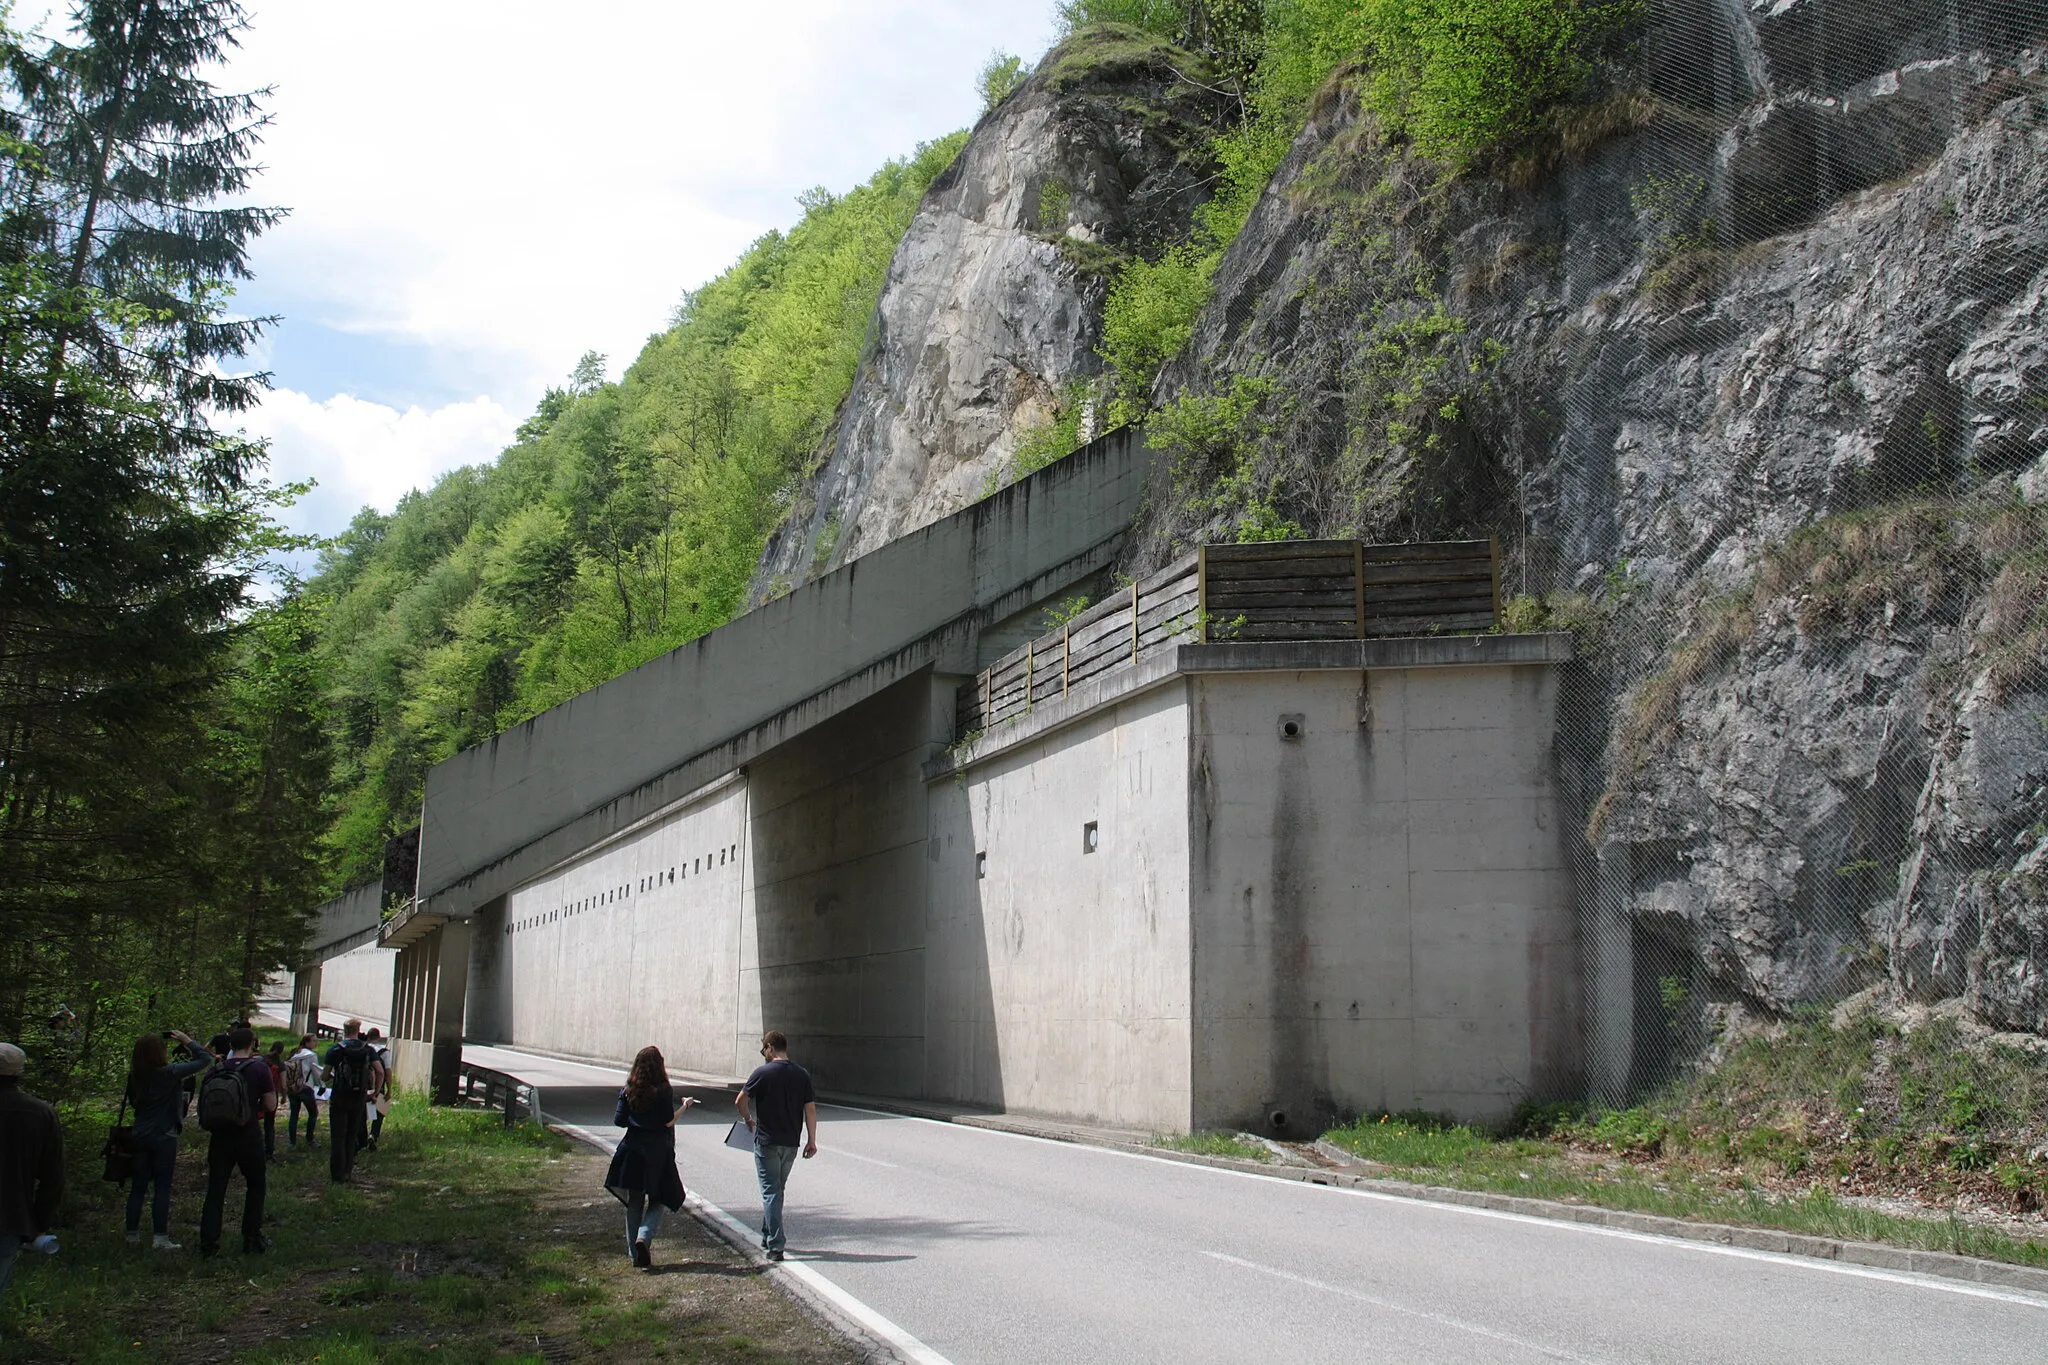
(31, 1163)
(645, 1162)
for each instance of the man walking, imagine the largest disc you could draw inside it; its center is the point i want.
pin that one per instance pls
(351, 1076)
(233, 1100)
(31, 1162)
(778, 1103)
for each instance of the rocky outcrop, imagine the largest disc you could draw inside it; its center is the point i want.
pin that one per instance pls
(992, 305)
(1788, 293)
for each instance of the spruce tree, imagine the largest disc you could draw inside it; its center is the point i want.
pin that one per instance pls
(125, 515)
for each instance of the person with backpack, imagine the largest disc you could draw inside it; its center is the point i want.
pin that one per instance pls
(233, 1099)
(156, 1090)
(352, 1074)
(302, 1075)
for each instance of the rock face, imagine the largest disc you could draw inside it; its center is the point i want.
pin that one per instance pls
(993, 302)
(1793, 290)
(1747, 371)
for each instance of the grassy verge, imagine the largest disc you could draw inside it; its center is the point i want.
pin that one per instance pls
(1212, 1144)
(1909, 1130)
(459, 1241)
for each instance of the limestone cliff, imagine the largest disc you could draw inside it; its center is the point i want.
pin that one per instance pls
(1746, 367)
(1765, 327)
(993, 302)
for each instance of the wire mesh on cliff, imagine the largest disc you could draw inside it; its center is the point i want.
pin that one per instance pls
(1745, 365)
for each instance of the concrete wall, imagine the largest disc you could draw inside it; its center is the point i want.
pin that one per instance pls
(637, 943)
(1064, 987)
(834, 946)
(1381, 906)
(359, 983)
(561, 781)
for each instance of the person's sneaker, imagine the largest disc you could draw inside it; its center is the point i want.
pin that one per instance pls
(134, 1237)
(162, 1242)
(209, 1252)
(643, 1256)
(255, 1246)
(774, 1254)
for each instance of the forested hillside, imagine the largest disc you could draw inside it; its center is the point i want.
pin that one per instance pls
(625, 520)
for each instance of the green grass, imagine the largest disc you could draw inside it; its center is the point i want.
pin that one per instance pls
(1212, 1144)
(461, 1241)
(1776, 1136)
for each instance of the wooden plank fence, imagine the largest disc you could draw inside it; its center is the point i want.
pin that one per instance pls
(1283, 590)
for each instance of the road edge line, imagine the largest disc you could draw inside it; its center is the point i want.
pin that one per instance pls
(1879, 1260)
(839, 1309)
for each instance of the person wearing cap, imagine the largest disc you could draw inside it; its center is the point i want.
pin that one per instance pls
(31, 1162)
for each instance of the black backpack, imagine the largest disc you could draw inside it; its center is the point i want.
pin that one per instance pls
(225, 1103)
(348, 1067)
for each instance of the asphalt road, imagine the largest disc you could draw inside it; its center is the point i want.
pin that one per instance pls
(989, 1247)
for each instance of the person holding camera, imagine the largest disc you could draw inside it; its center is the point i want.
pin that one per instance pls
(156, 1091)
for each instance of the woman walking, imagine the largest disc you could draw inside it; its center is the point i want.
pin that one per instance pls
(643, 1174)
(156, 1087)
(302, 1073)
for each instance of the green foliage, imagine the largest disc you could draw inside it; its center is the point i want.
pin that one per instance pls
(1167, 18)
(1149, 316)
(1054, 201)
(999, 79)
(1463, 77)
(1413, 1139)
(1213, 1144)
(160, 751)
(625, 520)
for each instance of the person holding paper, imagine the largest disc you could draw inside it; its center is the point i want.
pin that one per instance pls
(643, 1173)
(775, 1102)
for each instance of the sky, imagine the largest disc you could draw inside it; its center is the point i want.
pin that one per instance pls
(481, 192)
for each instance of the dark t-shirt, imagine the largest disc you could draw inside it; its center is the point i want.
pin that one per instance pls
(255, 1074)
(359, 1049)
(778, 1091)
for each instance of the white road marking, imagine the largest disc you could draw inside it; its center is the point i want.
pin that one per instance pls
(1442, 1320)
(871, 1160)
(906, 1345)
(1905, 1277)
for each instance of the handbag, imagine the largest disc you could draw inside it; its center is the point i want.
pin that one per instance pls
(119, 1149)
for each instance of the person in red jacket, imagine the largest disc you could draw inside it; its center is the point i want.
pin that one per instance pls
(31, 1163)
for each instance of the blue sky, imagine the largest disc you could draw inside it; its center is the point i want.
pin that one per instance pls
(480, 192)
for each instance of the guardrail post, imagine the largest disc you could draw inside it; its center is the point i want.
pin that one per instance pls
(1134, 623)
(1202, 595)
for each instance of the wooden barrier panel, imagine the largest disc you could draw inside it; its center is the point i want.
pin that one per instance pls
(1282, 590)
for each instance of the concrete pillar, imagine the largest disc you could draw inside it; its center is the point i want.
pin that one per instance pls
(427, 990)
(305, 999)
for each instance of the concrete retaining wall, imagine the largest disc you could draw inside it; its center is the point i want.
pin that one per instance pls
(1382, 907)
(637, 943)
(359, 983)
(1065, 988)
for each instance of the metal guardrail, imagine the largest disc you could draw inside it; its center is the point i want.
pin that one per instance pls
(500, 1090)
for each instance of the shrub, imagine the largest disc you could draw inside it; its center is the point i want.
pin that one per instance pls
(999, 78)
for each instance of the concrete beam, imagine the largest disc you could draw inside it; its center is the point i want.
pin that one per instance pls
(502, 812)
(345, 923)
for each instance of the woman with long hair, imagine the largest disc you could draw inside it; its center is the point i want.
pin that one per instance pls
(156, 1088)
(643, 1174)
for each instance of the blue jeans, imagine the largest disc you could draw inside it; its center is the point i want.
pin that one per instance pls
(643, 1218)
(772, 1165)
(155, 1159)
(302, 1099)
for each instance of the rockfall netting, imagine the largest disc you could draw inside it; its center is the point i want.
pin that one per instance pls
(1745, 364)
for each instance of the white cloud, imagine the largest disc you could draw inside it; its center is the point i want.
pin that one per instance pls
(366, 454)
